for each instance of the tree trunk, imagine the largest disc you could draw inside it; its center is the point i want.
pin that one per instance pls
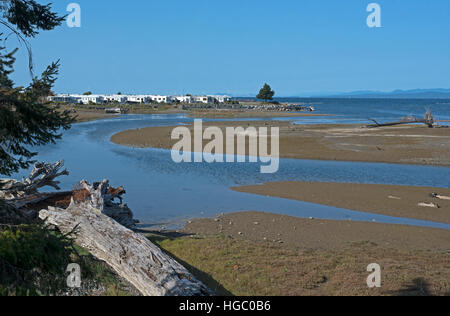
(130, 254)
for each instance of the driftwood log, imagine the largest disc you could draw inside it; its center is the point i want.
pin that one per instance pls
(25, 197)
(43, 175)
(15, 195)
(101, 225)
(102, 196)
(130, 254)
(427, 120)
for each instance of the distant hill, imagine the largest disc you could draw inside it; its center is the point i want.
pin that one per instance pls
(397, 94)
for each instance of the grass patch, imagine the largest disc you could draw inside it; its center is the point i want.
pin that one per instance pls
(240, 267)
(33, 262)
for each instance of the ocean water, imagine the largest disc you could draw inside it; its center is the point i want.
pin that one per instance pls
(161, 191)
(383, 110)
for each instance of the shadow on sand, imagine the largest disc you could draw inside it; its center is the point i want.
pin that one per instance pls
(417, 287)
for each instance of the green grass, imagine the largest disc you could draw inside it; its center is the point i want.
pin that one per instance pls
(33, 262)
(239, 267)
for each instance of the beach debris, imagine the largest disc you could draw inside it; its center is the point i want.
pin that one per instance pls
(131, 255)
(432, 205)
(428, 120)
(91, 216)
(240, 233)
(102, 197)
(42, 175)
(394, 197)
(256, 223)
(440, 197)
(116, 111)
(25, 196)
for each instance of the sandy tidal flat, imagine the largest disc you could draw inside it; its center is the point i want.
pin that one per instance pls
(414, 144)
(398, 201)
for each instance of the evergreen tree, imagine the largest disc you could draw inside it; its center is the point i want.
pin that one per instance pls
(266, 93)
(26, 119)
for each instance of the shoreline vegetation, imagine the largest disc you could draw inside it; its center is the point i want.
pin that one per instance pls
(254, 253)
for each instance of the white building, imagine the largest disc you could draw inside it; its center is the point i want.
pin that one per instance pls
(221, 98)
(161, 98)
(138, 98)
(90, 99)
(203, 99)
(116, 98)
(183, 99)
(61, 98)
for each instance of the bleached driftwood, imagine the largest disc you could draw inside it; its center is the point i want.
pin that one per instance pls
(98, 223)
(427, 120)
(432, 205)
(130, 254)
(440, 197)
(102, 197)
(24, 194)
(43, 174)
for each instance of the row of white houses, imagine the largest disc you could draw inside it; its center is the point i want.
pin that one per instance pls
(119, 98)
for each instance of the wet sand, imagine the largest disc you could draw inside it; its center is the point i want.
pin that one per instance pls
(282, 230)
(412, 144)
(398, 201)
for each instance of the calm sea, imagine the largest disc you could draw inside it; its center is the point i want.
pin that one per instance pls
(382, 110)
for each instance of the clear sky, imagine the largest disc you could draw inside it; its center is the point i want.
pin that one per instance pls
(234, 46)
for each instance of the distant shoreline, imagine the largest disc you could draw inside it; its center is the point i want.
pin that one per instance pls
(93, 115)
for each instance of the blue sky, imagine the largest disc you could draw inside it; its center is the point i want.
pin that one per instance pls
(216, 46)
